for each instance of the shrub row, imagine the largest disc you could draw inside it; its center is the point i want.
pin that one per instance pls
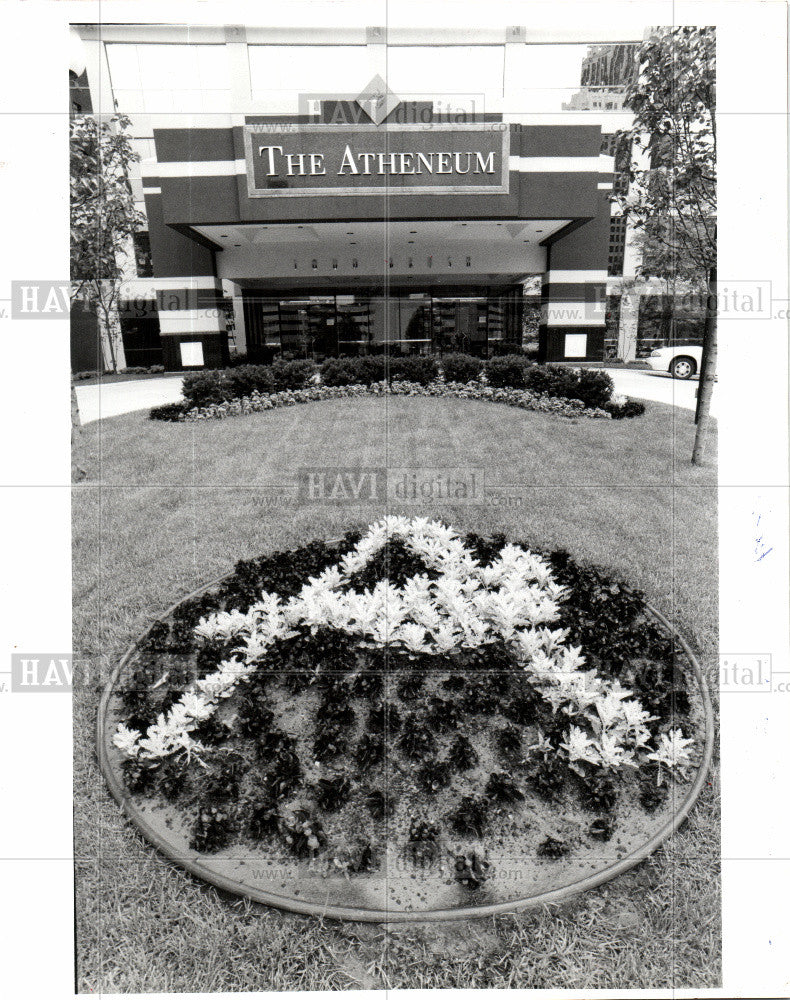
(593, 388)
(152, 370)
(213, 387)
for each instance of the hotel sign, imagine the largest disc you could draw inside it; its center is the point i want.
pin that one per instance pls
(304, 160)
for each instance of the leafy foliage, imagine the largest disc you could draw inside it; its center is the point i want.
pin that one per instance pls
(470, 817)
(471, 870)
(499, 788)
(380, 804)
(417, 740)
(552, 848)
(212, 830)
(435, 774)
(332, 793)
(672, 194)
(103, 214)
(461, 754)
(393, 562)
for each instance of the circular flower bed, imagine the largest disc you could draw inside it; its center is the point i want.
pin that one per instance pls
(406, 719)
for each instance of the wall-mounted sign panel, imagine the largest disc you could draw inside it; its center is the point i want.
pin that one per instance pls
(303, 160)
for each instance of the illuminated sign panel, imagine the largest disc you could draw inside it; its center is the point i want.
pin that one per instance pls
(285, 160)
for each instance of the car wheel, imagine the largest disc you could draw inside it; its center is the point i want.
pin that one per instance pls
(683, 367)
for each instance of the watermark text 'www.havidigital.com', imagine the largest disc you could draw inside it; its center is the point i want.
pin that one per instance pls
(42, 673)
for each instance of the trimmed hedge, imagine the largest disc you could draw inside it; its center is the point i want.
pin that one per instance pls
(461, 367)
(421, 369)
(592, 387)
(213, 387)
(508, 371)
(173, 412)
(354, 371)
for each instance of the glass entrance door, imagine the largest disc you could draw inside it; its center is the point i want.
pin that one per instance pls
(459, 324)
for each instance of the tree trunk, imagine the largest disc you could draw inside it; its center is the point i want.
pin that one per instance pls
(108, 333)
(78, 472)
(104, 314)
(703, 364)
(707, 374)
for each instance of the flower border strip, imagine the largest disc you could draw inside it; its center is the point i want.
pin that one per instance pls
(257, 402)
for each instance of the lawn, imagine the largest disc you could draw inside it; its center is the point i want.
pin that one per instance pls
(166, 507)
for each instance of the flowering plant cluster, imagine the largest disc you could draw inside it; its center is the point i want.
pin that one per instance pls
(524, 399)
(457, 603)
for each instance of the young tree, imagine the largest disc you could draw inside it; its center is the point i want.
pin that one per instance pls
(103, 216)
(671, 200)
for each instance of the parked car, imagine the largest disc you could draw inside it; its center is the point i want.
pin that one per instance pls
(680, 360)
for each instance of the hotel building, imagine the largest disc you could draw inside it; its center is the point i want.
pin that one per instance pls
(332, 192)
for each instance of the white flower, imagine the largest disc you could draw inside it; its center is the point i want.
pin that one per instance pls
(543, 745)
(612, 754)
(609, 709)
(126, 740)
(515, 600)
(412, 636)
(579, 746)
(673, 750)
(196, 706)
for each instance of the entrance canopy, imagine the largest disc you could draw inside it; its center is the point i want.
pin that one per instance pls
(435, 251)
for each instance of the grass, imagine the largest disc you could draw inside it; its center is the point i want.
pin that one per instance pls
(166, 507)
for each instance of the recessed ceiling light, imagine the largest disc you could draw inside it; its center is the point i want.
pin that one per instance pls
(237, 244)
(224, 236)
(412, 232)
(409, 241)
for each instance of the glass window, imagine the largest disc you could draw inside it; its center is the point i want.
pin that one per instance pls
(372, 323)
(452, 69)
(415, 324)
(548, 78)
(326, 69)
(142, 254)
(353, 324)
(162, 78)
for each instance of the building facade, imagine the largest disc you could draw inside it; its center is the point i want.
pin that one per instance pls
(316, 193)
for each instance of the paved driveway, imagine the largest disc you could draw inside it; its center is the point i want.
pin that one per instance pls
(113, 398)
(658, 386)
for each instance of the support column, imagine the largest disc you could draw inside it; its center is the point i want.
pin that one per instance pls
(188, 291)
(573, 295)
(628, 329)
(240, 328)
